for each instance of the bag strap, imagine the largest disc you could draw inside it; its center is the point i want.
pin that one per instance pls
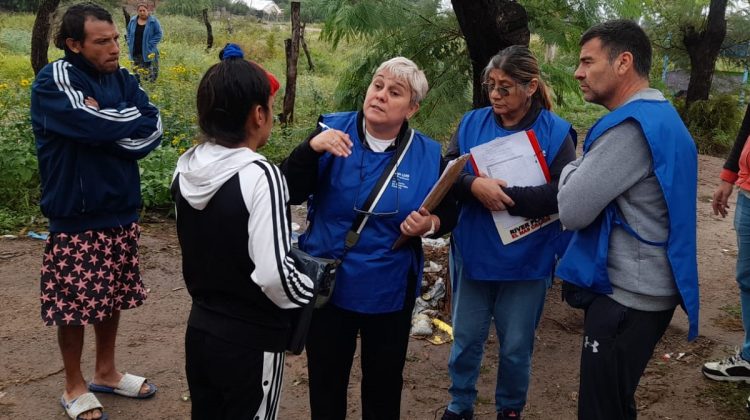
(620, 221)
(352, 236)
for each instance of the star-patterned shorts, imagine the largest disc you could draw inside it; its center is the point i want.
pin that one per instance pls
(88, 275)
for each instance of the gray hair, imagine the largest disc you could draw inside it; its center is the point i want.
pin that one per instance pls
(406, 70)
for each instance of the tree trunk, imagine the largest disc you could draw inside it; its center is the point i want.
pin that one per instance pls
(703, 45)
(126, 15)
(310, 65)
(489, 26)
(209, 30)
(292, 53)
(40, 34)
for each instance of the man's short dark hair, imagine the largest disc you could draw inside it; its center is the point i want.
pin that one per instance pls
(74, 19)
(619, 36)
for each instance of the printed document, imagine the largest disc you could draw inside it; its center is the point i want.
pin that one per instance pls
(518, 160)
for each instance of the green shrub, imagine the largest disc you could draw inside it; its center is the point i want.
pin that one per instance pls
(16, 41)
(713, 123)
(156, 176)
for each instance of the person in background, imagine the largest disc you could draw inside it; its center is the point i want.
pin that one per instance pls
(234, 231)
(631, 202)
(335, 170)
(92, 122)
(491, 280)
(144, 36)
(736, 368)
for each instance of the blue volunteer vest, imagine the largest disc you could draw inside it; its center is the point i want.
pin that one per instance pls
(676, 168)
(373, 277)
(483, 253)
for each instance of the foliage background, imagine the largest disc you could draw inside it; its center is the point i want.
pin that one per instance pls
(347, 39)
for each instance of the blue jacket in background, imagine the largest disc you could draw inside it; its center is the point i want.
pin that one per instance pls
(152, 35)
(87, 157)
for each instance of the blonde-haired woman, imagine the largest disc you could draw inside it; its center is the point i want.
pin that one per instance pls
(506, 283)
(337, 167)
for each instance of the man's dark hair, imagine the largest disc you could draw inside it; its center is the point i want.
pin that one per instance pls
(619, 36)
(74, 19)
(226, 94)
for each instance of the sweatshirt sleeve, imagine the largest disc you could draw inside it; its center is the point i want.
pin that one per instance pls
(732, 165)
(301, 170)
(269, 242)
(615, 162)
(541, 200)
(149, 135)
(57, 105)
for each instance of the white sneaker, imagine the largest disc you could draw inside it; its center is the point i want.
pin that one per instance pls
(732, 369)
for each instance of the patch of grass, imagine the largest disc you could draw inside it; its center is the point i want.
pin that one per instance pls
(484, 400)
(731, 319)
(733, 310)
(184, 60)
(728, 398)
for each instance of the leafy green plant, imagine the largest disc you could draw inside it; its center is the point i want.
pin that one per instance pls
(713, 123)
(156, 176)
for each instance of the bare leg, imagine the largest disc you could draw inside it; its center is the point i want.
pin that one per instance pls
(70, 340)
(106, 336)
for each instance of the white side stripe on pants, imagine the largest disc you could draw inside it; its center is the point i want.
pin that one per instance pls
(273, 373)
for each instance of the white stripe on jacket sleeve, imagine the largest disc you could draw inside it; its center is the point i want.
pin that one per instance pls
(265, 194)
(62, 80)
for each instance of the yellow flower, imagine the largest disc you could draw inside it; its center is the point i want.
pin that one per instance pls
(25, 82)
(181, 150)
(179, 69)
(151, 56)
(175, 141)
(3, 86)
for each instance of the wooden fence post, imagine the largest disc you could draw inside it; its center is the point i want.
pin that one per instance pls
(310, 65)
(291, 48)
(209, 30)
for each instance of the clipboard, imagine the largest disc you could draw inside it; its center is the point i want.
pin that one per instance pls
(439, 190)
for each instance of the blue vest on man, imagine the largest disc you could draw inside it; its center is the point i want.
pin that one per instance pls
(676, 168)
(372, 277)
(483, 254)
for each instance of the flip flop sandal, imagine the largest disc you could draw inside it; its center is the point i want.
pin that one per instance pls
(84, 403)
(129, 386)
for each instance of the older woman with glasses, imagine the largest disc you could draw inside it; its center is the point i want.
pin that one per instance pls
(491, 280)
(336, 170)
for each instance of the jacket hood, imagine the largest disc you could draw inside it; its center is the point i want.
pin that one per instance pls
(203, 169)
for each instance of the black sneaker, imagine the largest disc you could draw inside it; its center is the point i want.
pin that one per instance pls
(508, 413)
(465, 415)
(732, 369)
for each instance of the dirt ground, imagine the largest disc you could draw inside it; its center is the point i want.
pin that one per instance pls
(151, 343)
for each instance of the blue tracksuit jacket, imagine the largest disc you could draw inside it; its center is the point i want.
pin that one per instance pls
(87, 156)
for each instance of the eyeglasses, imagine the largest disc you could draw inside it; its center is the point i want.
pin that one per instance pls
(501, 90)
(386, 200)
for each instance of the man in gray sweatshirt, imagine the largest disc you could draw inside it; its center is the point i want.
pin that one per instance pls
(633, 213)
